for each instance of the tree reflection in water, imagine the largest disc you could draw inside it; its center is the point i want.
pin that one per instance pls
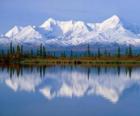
(71, 81)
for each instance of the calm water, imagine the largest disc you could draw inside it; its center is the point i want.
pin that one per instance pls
(70, 91)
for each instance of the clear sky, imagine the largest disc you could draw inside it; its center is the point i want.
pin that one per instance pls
(35, 12)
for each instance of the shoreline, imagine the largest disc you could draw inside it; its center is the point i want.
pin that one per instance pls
(81, 62)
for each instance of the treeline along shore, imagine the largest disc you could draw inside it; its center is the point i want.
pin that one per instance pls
(41, 56)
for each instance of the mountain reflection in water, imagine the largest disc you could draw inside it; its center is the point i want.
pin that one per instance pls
(70, 82)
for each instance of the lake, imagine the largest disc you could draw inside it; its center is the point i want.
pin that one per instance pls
(69, 91)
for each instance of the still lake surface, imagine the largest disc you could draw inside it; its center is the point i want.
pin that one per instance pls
(70, 91)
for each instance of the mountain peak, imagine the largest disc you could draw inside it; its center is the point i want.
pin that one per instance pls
(115, 17)
(51, 20)
(13, 31)
(112, 20)
(48, 23)
(110, 23)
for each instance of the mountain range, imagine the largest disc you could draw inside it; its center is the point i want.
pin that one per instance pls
(52, 33)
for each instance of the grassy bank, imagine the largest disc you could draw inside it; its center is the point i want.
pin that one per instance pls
(81, 61)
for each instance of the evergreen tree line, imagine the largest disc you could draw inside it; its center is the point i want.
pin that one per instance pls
(18, 52)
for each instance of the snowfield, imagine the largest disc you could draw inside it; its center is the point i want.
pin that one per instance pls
(73, 33)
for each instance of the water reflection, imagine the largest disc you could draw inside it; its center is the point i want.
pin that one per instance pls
(69, 82)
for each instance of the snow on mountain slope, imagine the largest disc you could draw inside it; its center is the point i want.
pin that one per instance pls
(51, 28)
(111, 23)
(15, 30)
(74, 28)
(27, 32)
(74, 33)
(66, 29)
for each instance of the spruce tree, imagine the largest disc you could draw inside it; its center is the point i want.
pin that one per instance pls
(71, 54)
(130, 51)
(2, 53)
(38, 52)
(31, 53)
(41, 50)
(11, 48)
(44, 51)
(21, 50)
(105, 53)
(99, 53)
(88, 51)
(18, 51)
(118, 52)
(54, 54)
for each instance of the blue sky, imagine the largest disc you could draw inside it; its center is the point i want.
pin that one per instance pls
(35, 12)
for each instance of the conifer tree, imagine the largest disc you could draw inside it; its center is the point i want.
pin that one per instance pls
(21, 50)
(41, 50)
(118, 52)
(105, 52)
(71, 54)
(130, 51)
(18, 51)
(99, 53)
(31, 53)
(88, 50)
(38, 53)
(44, 51)
(11, 48)
(54, 54)
(2, 53)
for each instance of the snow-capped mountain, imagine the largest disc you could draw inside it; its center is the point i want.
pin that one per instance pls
(15, 30)
(74, 33)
